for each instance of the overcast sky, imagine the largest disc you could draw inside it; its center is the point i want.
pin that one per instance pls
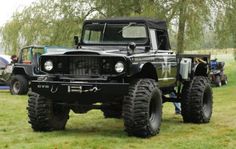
(8, 7)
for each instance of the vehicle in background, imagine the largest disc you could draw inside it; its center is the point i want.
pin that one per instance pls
(218, 77)
(19, 74)
(5, 60)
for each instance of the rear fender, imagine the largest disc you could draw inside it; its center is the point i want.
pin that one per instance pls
(201, 69)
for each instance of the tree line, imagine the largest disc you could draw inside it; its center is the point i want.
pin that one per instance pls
(192, 24)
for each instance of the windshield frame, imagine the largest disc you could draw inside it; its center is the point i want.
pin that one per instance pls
(146, 42)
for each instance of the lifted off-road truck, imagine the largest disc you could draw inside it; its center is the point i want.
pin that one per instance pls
(124, 67)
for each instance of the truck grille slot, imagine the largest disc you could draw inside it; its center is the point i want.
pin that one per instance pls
(84, 66)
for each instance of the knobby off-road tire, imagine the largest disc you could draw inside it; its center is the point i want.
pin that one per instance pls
(197, 101)
(44, 115)
(185, 102)
(18, 85)
(113, 111)
(142, 109)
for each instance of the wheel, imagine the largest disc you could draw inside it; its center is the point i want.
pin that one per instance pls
(142, 109)
(18, 85)
(225, 81)
(185, 102)
(218, 81)
(112, 111)
(45, 115)
(197, 105)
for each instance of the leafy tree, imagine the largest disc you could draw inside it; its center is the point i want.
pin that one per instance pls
(225, 24)
(10, 35)
(55, 22)
(47, 22)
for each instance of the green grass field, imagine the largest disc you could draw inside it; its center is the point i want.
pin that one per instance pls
(92, 131)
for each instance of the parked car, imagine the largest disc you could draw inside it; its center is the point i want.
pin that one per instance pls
(218, 77)
(5, 60)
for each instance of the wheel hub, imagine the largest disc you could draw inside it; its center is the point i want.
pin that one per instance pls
(16, 86)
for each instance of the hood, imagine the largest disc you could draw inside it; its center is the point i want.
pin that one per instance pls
(103, 50)
(107, 51)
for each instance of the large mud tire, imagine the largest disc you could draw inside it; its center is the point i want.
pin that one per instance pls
(142, 109)
(185, 102)
(44, 115)
(197, 103)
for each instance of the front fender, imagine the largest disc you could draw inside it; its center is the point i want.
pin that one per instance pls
(146, 70)
(20, 70)
(135, 68)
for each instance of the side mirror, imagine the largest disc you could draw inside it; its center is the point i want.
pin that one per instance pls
(76, 42)
(131, 46)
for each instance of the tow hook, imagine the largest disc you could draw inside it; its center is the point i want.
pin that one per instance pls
(54, 89)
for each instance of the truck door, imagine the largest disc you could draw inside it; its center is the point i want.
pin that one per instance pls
(24, 61)
(164, 58)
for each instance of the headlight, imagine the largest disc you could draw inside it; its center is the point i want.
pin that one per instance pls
(119, 67)
(48, 65)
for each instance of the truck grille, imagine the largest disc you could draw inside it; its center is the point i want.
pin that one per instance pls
(84, 66)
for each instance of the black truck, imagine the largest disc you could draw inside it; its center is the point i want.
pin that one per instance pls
(125, 67)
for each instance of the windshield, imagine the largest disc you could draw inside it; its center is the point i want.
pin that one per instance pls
(114, 33)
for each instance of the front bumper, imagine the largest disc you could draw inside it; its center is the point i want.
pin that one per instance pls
(77, 89)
